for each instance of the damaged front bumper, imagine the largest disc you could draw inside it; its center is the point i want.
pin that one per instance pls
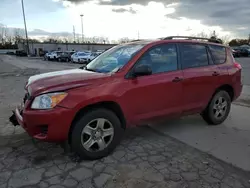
(13, 119)
(16, 118)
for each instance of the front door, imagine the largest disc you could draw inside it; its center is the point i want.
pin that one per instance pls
(157, 95)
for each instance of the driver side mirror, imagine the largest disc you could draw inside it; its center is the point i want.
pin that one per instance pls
(142, 70)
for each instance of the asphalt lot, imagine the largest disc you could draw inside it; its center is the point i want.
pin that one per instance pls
(245, 63)
(163, 155)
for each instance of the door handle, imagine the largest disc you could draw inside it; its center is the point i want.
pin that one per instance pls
(216, 74)
(177, 79)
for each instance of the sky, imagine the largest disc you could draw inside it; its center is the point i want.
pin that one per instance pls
(128, 18)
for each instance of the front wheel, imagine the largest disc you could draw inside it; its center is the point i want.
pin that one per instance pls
(96, 134)
(218, 108)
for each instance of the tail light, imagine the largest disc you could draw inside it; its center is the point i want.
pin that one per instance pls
(237, 65)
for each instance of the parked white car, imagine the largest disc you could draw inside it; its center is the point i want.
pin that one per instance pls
(89, 57)
(79, 56)
(54, 55)
(92, 56)
(46, 56)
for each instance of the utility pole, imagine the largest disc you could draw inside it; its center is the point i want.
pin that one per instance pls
(138, 34)
(82, 27)
(26, 33)
(74, 33)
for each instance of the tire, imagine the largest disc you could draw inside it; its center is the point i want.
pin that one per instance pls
(77, 136)
(209, 114)
(59, 59)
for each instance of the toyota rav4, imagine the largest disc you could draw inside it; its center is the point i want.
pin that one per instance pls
(130, 84)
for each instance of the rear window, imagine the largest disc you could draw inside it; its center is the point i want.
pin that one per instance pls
(218, 53)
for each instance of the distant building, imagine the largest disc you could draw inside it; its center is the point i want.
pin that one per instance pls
(39, 48)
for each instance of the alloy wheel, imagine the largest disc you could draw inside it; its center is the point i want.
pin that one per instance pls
(220, 107)
(97, 135)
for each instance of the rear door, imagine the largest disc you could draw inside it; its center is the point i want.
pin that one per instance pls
(200, 75)
(157, 95)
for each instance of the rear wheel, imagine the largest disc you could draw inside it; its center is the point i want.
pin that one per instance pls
(96, 134)
(218, 108)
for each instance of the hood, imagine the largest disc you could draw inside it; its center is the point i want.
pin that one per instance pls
(62, 80)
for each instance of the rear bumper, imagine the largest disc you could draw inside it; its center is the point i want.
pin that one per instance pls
(46, 125)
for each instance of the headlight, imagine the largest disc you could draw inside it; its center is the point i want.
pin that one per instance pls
(48, 101)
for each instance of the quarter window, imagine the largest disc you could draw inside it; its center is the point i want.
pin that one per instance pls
(193, 55)
(162, 58)
(219, 53)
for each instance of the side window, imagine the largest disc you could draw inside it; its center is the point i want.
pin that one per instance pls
(162, 58)
(193, 55)
(218, 53)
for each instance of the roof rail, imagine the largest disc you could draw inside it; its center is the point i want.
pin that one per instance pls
(212, 39)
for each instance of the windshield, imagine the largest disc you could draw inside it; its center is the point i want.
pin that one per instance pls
(114, 59)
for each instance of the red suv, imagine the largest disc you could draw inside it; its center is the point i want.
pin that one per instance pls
(130, 84)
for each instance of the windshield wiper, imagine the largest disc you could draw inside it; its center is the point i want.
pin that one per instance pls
(82, 67)
(92, 70)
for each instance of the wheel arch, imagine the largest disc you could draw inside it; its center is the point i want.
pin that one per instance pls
(110, 105)
(228, 88)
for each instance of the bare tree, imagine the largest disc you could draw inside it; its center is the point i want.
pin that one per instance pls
(123, 40)
(225, 39)
(3, 32)
(201, 34)
(17, 36)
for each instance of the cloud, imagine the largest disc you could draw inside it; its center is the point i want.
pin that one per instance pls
(123, 10)
(130, 2)
(13, 9)
(76, 1)
(224, 13)
(227, 14)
